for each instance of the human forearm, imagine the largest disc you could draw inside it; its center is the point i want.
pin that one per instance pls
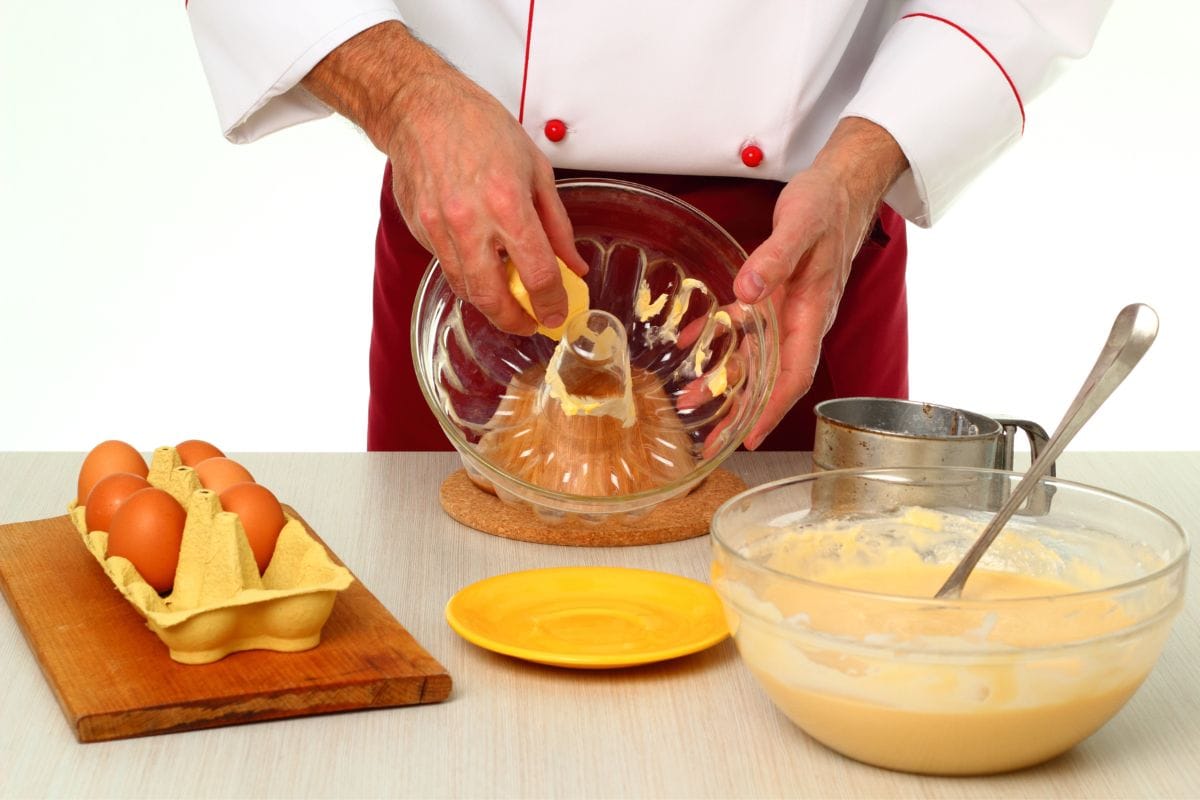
(371, 76)
(863, 158)
(470, 184)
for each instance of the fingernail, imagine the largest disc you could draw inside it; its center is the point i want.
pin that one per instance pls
(554, 320)
(751, 287)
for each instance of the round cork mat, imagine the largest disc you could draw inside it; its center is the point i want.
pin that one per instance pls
(674, 520)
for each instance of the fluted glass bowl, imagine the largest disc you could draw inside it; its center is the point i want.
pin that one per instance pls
(666, 345)
(828, 580)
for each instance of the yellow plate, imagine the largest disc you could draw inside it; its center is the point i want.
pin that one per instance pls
(589, 617)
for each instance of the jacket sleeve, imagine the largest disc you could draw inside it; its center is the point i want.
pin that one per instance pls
(951, 80)
(255, 52)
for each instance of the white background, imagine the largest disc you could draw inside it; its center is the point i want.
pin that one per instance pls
(162, 284)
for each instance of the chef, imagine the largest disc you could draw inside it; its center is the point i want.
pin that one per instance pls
(809, 129)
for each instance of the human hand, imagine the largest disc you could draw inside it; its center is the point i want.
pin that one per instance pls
(470, 184)
(821, 218)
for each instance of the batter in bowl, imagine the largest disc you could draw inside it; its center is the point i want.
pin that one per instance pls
(1034, 658)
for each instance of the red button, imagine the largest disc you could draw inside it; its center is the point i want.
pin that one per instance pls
(752, 155)
(555, 130)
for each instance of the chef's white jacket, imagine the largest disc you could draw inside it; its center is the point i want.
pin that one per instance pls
(688, 86)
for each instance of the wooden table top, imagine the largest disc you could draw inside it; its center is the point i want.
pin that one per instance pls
(694, 727)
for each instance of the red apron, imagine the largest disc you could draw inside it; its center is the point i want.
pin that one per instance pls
(865, 353)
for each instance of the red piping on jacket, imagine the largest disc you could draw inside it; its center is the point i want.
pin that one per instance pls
(979, 44)
(525, 71)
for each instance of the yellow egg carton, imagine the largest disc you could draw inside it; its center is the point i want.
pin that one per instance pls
(219, 604)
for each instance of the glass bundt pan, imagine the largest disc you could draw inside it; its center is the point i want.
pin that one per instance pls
(665, 338)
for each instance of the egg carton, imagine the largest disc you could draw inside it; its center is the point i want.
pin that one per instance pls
(219, 604)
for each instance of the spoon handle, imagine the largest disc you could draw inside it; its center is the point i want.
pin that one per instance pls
(1132, 334)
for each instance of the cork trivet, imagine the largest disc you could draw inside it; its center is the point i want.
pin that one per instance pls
(681, 518)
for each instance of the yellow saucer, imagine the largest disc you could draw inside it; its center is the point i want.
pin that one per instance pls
(589, 617)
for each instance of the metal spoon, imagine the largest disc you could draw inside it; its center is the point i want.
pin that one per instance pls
(1132, 334)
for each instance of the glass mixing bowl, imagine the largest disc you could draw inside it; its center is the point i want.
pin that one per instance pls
(828, 581)
(654, 387)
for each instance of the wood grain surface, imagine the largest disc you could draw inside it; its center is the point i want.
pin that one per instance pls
(113, 678)
(694, 727)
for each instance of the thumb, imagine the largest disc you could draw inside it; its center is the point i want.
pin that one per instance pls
(773, 261)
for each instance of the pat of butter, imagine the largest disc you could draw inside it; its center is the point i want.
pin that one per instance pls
(669, 332)
(644, 308)
(718, 382)
(577, 296)
(718, 378)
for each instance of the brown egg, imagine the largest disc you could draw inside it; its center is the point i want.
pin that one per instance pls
(219, 473)
(148, 530)
(193, 451)
(262, 518)
(105, 459)
(107, 496)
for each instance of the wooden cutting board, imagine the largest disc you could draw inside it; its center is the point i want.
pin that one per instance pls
(114, 678)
